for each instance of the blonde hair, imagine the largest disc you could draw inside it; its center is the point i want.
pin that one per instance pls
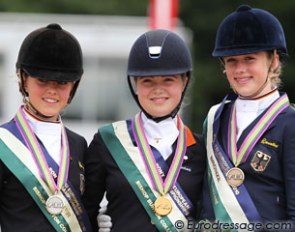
(274, 74)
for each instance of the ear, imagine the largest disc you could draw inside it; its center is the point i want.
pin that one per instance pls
(25, 81)
(185, 82)
(275, 60)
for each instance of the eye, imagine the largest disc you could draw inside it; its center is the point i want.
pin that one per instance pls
(249, 58)
(229, 60)
(145, 80)
(169, 78)
(62, 82)
(41, 80)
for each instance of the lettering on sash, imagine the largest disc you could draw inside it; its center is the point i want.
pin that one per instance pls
(61, 225)
(144, 193)
(39, 195)
(215, 168)
(53, 173)
(72, 200)
(162, 174)
(213, 194)
(179, 199)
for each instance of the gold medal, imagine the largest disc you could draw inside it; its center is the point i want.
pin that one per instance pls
(235, 177)
(162, 206)
(54, 205)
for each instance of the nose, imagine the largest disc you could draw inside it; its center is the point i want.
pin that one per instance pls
(51, 86)
(158, 89)
(240, 67)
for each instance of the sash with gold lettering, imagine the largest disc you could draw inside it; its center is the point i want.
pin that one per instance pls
(232, 205)
(19, 160)
(119, 140)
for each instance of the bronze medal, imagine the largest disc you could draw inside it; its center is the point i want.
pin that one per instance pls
(162, 206)
(235, 177)
(54, 205)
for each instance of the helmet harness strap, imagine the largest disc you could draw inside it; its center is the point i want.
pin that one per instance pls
(29, 106)
(159, 119)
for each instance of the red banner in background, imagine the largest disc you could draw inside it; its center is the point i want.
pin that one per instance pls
(163, 14)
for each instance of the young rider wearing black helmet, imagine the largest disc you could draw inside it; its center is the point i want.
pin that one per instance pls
(250, 135)
(41, 161)
(150, 166)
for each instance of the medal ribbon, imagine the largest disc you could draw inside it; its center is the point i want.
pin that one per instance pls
(149, 160)
(177, 194)
(252, 138)
(37, 153)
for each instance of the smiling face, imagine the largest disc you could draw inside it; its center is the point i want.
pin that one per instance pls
(247, 74)
(48, 97)
(159, 95)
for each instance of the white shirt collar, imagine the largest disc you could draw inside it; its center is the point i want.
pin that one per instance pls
(248, 110)
(257, 105)
(161, 135)
(49, 133)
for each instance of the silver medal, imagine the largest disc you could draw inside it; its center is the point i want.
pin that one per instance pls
(54, 205)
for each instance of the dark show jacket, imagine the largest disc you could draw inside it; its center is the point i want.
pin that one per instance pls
(18, 211)
(272, 189)
(127, 213)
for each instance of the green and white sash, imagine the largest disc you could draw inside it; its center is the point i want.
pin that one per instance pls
(228, 206)
(18, 159)
(225, 203)
(129, 160)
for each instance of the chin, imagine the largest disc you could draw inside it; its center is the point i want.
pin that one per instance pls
(49, 114)
(160, 115)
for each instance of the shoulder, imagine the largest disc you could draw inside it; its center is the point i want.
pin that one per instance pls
(195, 141)
(193, 136)
(115, 129)
(291, 109)
(288, 115)
(107, 130)
(75, 137)
(8, 125)
(73, 134)
(284, 123)
(199, 140)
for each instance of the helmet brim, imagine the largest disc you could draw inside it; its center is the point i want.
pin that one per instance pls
(52, 75)
(248, 50)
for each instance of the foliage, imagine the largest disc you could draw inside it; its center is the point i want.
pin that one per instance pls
(208, 84)
(109, 7)
(203, 17)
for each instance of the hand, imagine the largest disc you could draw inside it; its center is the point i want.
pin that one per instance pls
(104, 223)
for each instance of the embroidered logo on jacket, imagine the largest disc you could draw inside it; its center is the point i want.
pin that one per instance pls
(260, 161)
(269, 143)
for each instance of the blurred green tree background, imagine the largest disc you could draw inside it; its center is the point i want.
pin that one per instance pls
(208, 85)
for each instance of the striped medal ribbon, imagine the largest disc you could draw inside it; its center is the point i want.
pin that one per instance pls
(162, 206)
(54, 203)
(235, 176)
